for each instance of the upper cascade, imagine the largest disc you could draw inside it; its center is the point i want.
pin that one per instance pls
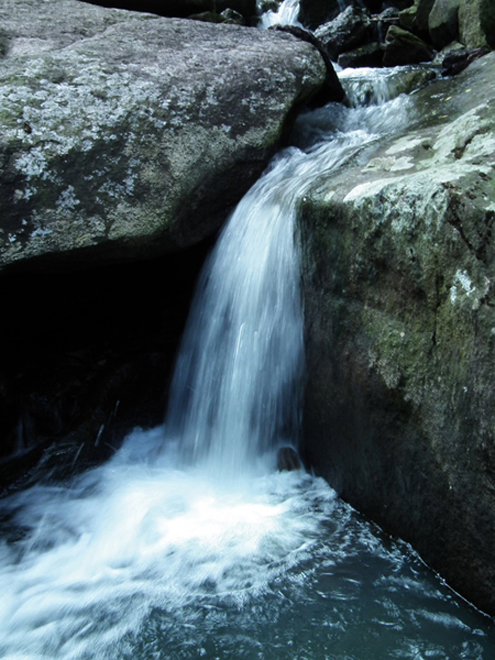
(287, 13)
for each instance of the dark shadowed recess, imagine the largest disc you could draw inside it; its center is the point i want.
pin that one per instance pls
(183, 8)
(87, 355)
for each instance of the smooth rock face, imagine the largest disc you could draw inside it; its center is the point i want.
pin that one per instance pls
(399, 283)
(126, 135)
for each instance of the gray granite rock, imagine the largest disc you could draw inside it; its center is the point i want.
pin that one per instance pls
(399, 281)
(126, 135)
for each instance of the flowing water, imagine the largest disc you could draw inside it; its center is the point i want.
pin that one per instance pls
(188, 543)
(286, 14)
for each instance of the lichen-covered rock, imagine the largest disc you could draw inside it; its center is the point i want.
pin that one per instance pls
(477, 23)
(399, 281)
(443, 23)
(125, 135)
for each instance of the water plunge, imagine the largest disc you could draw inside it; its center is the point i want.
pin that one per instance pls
(188, 543)
(236, 388)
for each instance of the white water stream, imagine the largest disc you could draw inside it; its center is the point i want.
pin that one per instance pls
(189, 544)
(286, 14)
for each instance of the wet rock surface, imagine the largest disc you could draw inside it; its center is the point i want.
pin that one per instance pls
(375, 34)
(400, 325)
(288, 460)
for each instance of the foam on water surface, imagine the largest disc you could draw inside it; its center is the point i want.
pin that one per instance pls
(141, 559)
(128, 538)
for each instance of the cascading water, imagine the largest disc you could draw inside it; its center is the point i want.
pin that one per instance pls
(286, 14)
(188, 544)
(236, 387)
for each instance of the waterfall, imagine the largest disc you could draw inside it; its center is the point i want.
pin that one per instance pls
(236, 392)
(236, 389)
(286, 14)
(188, 543)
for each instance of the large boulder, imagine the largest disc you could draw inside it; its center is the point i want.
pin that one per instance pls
(351, 28)
(127, 135)
(477, 23)
(443, 23)
(399, 281)
(404, 47)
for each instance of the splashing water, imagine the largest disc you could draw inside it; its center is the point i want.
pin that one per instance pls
(188, 543)
(286, 14)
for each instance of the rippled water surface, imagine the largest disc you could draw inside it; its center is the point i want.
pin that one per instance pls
(139, 559)
(188, 543)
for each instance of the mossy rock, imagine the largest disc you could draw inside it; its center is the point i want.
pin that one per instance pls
(477, 23)
(399, 282)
